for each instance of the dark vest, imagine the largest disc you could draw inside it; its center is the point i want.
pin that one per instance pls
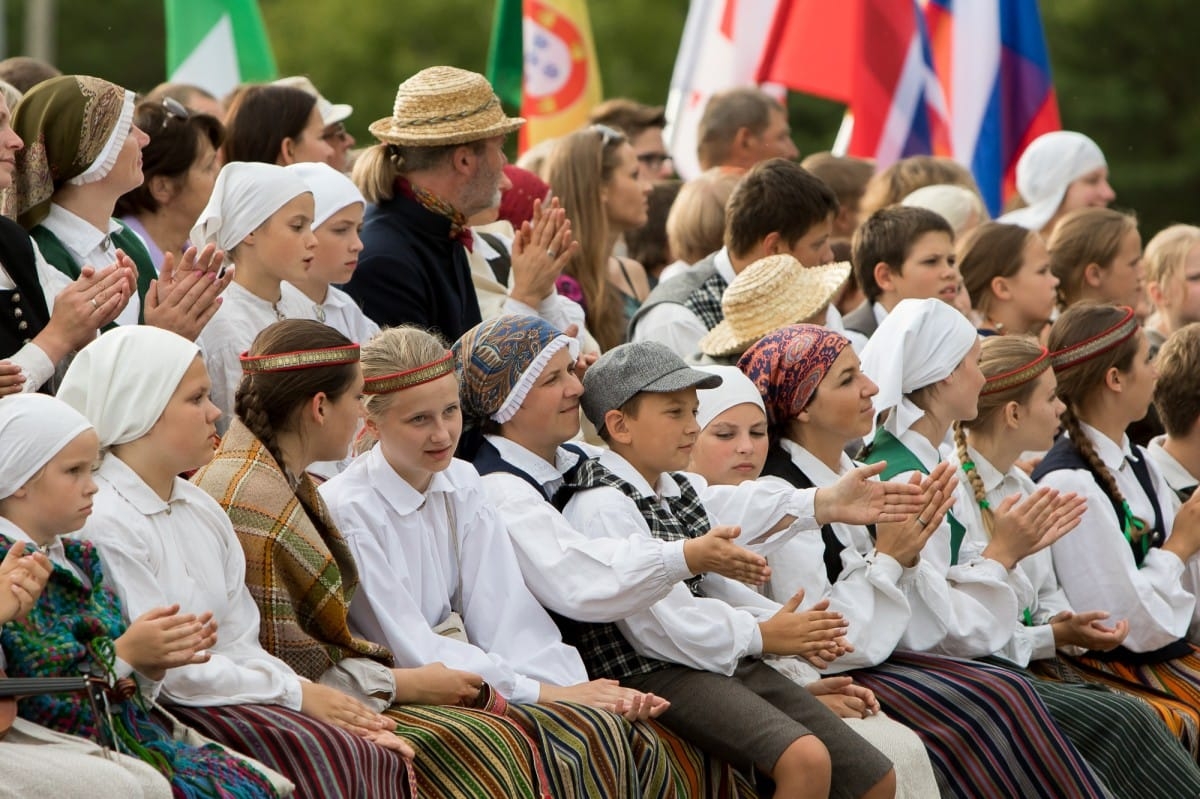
(23, 311)
(676, 290)
(57, 254)
(862, 319)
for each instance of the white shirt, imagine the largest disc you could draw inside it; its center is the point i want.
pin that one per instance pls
(970, 612)
(417, 554)
(594, 580)
(341, 312)
(711, 632)
(871, 591)
(35, 364)
(231, 331)
(671, 324)
(89, 245)
(1177, 476)
(1033, 580)
(1095, 563)
(833, 321)
(185, 552)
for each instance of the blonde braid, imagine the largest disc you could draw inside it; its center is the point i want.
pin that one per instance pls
(968, 466)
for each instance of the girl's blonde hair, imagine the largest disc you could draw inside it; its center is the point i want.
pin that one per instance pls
(1082, 237)
(394, 349)
(1167, 251)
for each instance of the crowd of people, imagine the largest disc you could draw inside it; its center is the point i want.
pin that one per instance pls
(404, 471)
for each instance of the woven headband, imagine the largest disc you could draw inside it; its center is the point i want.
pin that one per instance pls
(1018, 376)
(1089, 348)
(301, 359)
(398, 381)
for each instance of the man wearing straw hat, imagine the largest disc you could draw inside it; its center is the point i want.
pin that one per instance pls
(439, 161)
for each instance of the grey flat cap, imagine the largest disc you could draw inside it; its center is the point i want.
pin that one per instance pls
(625, 370)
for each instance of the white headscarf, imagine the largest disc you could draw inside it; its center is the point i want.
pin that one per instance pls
(123, 380)
(1049, 165)
(245, 196)
(332, 191)
(919, 343)
(735, 389)
(34, 428)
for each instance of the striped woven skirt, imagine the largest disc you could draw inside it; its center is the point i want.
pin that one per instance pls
(1171, 688)
(699, 774)
(987, 731)
(322, 760)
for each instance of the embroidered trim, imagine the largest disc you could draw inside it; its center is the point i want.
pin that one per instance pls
(1089, 348)
(303, 359)
(398, 381)
(1018, 376)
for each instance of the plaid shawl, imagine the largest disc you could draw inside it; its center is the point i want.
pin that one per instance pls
(298, 567)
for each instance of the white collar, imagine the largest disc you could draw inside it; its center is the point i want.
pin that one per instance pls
(814, 467)
(1177, 477)
(880, 313)
(667, 487)
(134, 490)
(724, 266)
(532, 464)
(76, 234)
(1112, 454)
(395, 490)
(54, 550)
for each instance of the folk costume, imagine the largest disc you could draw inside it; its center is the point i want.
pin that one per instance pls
(28, 286)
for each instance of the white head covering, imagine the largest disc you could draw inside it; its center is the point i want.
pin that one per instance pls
(245, 196)
(123, 380)
(331, 190)
(735, 389)
(99, 169)
(919, 343)
(955, 203)
(1046, 169)
(34, 428)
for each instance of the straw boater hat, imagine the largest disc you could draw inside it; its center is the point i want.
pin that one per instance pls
(770, 293)
(444, 105)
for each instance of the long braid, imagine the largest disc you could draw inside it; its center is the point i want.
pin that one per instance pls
(251, 407)
(968, 466)
(1107, 482)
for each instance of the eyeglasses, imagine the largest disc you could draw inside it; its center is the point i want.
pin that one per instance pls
(654, 161)
(607, 135)
(335, 132)
(174, 110)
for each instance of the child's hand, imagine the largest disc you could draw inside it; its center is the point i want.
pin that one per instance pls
(1029, 525)
(164, 638)
(715, 552)
(815, 632)
(1085, 630)
(22, 578)
(844, 697)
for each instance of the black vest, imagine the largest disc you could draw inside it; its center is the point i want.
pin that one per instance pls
(23, 311)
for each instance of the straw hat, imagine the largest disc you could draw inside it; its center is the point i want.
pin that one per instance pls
(444, 105)
(770, 293)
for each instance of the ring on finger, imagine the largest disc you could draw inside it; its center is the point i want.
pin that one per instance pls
(95, 305)
(552, 253)
(922, 522)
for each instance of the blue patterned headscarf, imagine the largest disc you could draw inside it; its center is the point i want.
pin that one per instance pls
(499, 360)
(787, 366)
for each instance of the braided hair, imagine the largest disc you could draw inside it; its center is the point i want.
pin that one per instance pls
(267, 402)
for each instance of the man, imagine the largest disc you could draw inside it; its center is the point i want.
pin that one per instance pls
(741, 127)
(643, 124)
(333, 116)
(440, 162)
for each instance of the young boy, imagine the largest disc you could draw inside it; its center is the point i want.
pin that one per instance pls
(1177, 454)
(901, 253)
(700, 648)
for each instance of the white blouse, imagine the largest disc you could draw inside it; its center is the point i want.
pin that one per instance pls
(1095, 563)
(185, 551)
(1033, 581)
(872, 589)
(231, 331)
(342, 313)
(969, 612)
(422, 555)
(89, 245)
(594, 580)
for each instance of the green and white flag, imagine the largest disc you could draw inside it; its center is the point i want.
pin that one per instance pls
(217, 44)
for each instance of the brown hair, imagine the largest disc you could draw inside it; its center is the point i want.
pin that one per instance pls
(992, 250)
(579, 166)
(1175, 395)
(261, 117)
(629, 116)
(267, 402)
(728, 112)
(171, 152)
(1085, 236)
(649, 244)
(696, 223)
(776, 196)
(1000, 354)
(846, 175)
(909, 174)
(887, 236)
(24, 72)
(1079, 383)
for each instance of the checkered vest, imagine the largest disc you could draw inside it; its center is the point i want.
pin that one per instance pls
(605, 650)
(705, 301)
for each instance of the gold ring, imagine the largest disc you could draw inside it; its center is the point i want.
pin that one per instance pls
(95, 304)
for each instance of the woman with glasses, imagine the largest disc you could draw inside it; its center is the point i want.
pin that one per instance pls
(179, 168)
(596, 175)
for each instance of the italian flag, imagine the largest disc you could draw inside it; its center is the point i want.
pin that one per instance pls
(217, 44)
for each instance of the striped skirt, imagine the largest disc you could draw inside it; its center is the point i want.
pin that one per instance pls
(322, 760)
(1171, 688)
(987, 731)
(699, 774)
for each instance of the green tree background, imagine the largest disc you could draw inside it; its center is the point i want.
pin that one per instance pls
(1125, 70)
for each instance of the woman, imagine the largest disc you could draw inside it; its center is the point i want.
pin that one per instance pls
(261, 215)
(179, 168)
(1096, 254)
(595, 173)
(1006, 270)
(85, 152)
(165, 542)
(275, 125)
(1059, 172)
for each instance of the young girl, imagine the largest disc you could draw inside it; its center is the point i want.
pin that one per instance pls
(76, 625)
(1172, 274)
(1006, 270)
(1133, 556)
(261, 216)
(163, 541)
(1059, 172)
(300, 402)
(336, 223)
(1096, 254)
(433, 551)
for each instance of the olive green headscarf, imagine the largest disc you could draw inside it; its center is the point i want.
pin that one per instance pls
(73, 127)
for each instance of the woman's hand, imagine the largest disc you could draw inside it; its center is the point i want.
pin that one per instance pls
(342, 710)
(163, 638)
(1085, 630)
(1025, 526)
(715, 552)
(184, 298)
(434, 684)
(541, 249)
(857, 499)
(12, 380)
(93, 300)
(904, 540)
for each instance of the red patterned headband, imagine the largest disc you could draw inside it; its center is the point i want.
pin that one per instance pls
(1087, 349)
(301, 359)
(1018, 376)
(398, 381)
